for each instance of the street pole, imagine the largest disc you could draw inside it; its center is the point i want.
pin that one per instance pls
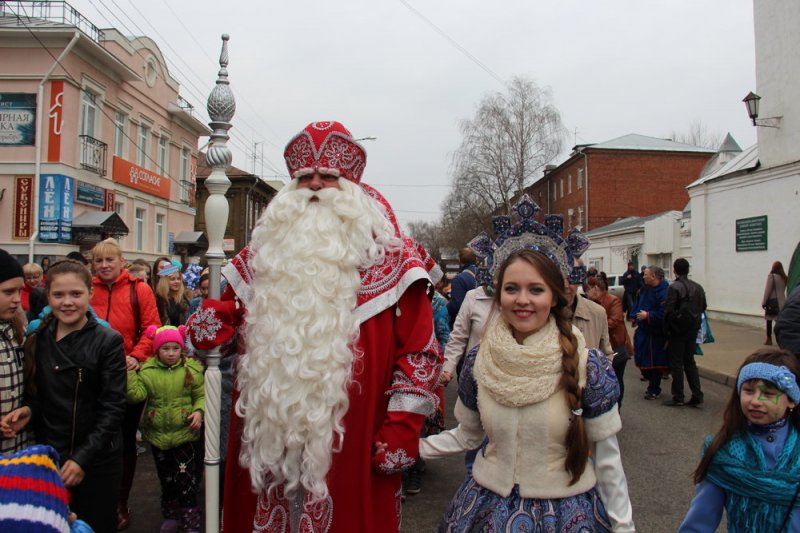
(221, 107)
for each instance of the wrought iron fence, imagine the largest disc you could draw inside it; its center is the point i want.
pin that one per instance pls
(35, 11)
(93, 154)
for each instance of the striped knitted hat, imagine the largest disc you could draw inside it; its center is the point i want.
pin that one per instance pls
(32, 496)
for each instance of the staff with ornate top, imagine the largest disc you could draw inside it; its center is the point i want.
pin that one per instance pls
(221, 107)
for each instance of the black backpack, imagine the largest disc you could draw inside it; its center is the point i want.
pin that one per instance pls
(685, 319)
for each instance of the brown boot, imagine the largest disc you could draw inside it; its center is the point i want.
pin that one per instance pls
(768, 342)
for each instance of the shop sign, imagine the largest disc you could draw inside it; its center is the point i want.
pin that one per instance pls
(55, 208)
(17, 119)
(23, 207)
(140, 178)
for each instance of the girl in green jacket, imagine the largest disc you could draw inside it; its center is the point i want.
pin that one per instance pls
(173, 388)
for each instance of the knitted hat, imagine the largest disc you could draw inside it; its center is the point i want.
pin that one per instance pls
(9, 267)
(166, 334)
(328, 148)
(32, 496)
(170, 268)
(213, 324)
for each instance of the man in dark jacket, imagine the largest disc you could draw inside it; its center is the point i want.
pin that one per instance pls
(686, 302)
(787, 325)
(632, 282)
(463, 282)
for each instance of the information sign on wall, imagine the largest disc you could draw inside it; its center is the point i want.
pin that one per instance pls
(751, 234)
(55, 208)
(17, 119)
(86, 193)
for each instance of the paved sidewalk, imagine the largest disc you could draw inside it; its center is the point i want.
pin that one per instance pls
(732, 344)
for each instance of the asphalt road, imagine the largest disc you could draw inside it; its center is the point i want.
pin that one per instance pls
(660, 448)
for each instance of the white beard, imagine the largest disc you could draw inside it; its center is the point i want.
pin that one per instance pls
(301, 331)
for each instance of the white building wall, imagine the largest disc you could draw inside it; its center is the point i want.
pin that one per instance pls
(611, 250)
(777, 41)
(734, 281)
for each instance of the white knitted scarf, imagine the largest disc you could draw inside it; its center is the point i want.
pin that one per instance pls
(515, 374)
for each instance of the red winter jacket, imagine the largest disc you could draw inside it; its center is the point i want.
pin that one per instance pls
(113, 304)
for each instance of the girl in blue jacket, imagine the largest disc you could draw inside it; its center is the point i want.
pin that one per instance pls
(751, 467)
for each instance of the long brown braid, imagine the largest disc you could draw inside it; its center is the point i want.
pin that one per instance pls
(576, 441)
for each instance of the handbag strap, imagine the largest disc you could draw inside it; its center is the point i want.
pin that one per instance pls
(137, 314)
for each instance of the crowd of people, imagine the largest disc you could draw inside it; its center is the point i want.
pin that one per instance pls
(338, 337)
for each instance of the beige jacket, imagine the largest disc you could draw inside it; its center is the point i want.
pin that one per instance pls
(592, 320)
(468, 327)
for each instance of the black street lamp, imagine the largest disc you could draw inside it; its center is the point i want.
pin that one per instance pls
(752, 101)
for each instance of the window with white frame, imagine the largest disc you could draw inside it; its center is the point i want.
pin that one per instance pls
(88, 114)
(159, 233)
(163, 155)
(555, 191)
(561, 186)
(580, 215)
(569, 183)
(140, 228)
(185, 171)
(596, 263)
(580, 178)
(143, 140)
(119, 133)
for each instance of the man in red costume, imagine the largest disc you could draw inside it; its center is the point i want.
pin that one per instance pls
(340, 359)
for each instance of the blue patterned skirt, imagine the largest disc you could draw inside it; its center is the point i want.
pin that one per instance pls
(477, 509)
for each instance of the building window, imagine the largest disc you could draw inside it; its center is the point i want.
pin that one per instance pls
(561, 186)
(88, 113)
(596, 263)
(569, 184)
(159, 233)
(580, 217)
(555, 191)
(163, 155)
(144, 138)
(139, 228)
(185, 171)
(119, 134)
(580, 178)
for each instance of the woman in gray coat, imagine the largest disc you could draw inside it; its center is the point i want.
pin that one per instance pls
(775, 289)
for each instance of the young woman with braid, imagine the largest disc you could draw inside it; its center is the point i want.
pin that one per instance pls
(537, 403)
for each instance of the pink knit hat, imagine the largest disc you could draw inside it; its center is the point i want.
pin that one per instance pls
(166, 334)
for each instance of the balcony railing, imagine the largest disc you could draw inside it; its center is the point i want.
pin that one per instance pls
(34, 12)
(93, 154)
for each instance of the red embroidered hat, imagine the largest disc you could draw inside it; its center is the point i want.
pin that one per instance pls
(327, 148)
(213, 324)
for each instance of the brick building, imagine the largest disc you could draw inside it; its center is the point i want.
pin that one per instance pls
(632, 175)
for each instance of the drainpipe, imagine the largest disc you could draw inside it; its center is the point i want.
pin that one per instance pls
(38, 165)
(586, 186)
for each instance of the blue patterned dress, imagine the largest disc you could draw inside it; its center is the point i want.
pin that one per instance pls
(475, 508)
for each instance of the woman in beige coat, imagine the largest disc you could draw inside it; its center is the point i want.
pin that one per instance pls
(774, 289)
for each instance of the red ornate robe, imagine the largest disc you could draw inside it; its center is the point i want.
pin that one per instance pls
(390, 395)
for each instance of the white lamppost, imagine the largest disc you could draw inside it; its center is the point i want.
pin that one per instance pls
(221, 107)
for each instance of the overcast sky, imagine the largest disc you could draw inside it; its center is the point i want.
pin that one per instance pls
(407, 71)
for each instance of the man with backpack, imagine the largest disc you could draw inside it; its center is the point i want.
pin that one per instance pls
(685, 304)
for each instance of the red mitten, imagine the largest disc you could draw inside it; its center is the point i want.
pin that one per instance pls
(401, 432)
(213, 324)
